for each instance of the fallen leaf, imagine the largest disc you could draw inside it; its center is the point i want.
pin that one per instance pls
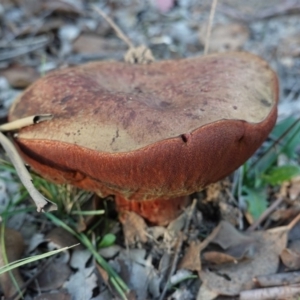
(206, 294)
(110, 252)
(14, 247)
(218, 258)
(290, 258)
(191, 259)
(182, 293)
(81, 284)
(229, 238)
(230, 279)
(61, 238)
(139, 273)
(213, 191)
(53, 277)
(134, 227)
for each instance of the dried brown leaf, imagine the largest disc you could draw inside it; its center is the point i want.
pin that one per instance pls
(290, 259)
(218, 258)
(134, 227)
(213, 191)
(14, 246)
(61, 238)
(104, 275)
(191, 259)
(233, 278)
(291, 256)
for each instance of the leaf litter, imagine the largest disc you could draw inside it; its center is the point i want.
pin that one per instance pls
(39, 36)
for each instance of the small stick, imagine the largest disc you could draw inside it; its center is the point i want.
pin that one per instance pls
(178, 247)
(115, 27)
(140, 54)
(281, 292)
(41, 202)
(209, 25)
(20, 123)
(277, 279)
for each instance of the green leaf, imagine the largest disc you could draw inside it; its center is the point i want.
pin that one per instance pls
(278, 175)
(256, 200)
(107, 240)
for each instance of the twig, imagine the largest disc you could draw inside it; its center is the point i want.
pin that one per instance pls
(20, 123)
(140, 54)
(265, 214)
(277, 279)
(42, 203)
(178, 248)
(115, 27)
(282, 292)
(209, 25)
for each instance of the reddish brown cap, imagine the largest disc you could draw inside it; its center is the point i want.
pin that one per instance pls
(148, 131)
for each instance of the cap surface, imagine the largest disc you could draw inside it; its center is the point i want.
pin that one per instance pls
(147, 131)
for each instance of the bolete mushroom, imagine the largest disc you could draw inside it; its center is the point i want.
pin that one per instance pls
(148, 134)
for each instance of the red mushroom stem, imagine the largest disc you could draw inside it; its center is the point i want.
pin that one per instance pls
(156, 211)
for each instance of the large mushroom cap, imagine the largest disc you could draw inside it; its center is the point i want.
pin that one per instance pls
(148, 131)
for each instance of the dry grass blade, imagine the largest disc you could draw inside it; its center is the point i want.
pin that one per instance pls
(209, 25)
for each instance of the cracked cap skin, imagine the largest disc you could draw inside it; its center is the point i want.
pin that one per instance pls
(144, 132)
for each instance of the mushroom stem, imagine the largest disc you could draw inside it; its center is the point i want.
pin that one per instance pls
(156, 211)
